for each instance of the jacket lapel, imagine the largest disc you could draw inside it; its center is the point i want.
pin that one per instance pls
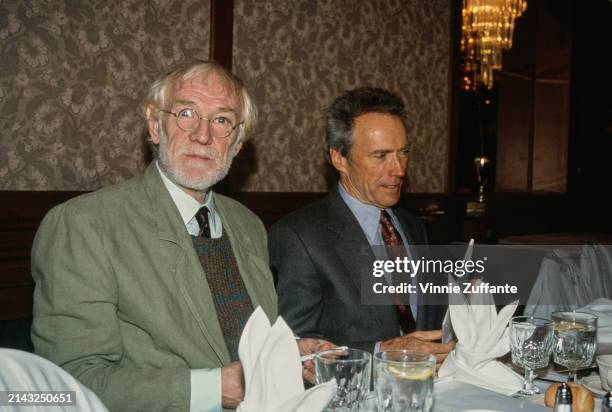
(186, 266)
(352, 247)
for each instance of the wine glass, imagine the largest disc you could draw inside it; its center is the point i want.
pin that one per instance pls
(351, 370)
(575, 340)
(530, 343)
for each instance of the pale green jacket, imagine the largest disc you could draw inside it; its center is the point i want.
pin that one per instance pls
(121, 300)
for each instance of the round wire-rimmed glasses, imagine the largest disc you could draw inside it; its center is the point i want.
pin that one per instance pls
(189, 119)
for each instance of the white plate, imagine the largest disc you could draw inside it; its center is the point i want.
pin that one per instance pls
(594, 384)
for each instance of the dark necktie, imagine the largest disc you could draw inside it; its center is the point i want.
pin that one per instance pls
(394, 245)
(202, 218)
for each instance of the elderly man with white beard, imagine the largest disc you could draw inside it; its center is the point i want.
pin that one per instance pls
(143, 288)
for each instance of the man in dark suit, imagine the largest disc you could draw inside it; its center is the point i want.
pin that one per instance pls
(320, 253)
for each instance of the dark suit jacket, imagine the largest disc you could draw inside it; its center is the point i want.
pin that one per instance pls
(318, 255)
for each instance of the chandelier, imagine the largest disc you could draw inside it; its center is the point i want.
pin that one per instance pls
(487, 27)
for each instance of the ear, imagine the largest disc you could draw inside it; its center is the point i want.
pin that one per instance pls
(338, 161)
(237, 147)
(153, 123)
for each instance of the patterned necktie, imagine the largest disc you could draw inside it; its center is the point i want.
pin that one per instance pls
(394, 244)
(202, 218)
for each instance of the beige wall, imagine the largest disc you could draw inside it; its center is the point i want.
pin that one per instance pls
(299, 54)
(72, 79)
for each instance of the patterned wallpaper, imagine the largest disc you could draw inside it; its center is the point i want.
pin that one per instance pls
(73, 74)
(297, 55)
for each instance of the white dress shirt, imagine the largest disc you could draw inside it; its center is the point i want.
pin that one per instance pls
(368, 217)
(205, 383)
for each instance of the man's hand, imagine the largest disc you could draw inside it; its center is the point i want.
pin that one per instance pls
(312, 345)
(422, 341)
(232, 385)
(308, 346)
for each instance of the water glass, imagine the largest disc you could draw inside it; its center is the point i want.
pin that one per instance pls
(403, 380)
(530, 344)
(351, 370)
(575, 340)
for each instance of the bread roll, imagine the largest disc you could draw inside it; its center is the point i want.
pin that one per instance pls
(582, 398)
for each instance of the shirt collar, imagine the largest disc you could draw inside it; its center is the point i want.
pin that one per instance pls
(186, 205)
(367, 215)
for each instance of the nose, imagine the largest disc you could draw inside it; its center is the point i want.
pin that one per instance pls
(398, 166)
(202, 133)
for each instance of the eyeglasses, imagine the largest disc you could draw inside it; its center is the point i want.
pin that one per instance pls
(188, 119)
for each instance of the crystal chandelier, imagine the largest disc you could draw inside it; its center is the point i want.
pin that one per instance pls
(487, 28)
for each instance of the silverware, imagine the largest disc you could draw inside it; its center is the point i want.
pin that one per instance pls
(312, 355)
(551, 380)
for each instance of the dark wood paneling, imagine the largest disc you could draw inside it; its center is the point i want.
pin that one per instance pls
(528, 213)
(222, 31)
(550, 136)
(16, 301)
(590, 142)
(513, 133)
(436, 210)
(20, 215)
(444, 215)
(520, 58)
(23, 209)
(271, 206)
(455, 76)
(22, 212)
(533, 117)
(553, 39)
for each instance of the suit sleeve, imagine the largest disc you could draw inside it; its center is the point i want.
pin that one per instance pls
(297, 282)
(75, 320)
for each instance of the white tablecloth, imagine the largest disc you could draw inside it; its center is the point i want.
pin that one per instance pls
(454, 396)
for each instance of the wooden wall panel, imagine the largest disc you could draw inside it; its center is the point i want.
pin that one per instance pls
(550, 137)
(21, 212)
(533, 109)
(553, 39)
(221, 31)
(513, 136)
(20, 215)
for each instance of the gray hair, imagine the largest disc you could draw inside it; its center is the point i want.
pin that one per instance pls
(157, 95)
(341, 115)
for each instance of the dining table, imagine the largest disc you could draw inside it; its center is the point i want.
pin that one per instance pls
(455, 396)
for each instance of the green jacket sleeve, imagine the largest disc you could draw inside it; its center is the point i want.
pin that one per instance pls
(75, 320)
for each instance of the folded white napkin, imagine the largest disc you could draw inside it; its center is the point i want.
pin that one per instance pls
(482, 337)
(602, 308)
(563, 284)
(596, 266)
(273, 371)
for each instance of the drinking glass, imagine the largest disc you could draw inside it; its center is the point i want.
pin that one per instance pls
(403, 380)
(530, 343)
(351, 370)
(575, 340)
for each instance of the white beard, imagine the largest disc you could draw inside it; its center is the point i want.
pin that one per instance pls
(202, 183)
